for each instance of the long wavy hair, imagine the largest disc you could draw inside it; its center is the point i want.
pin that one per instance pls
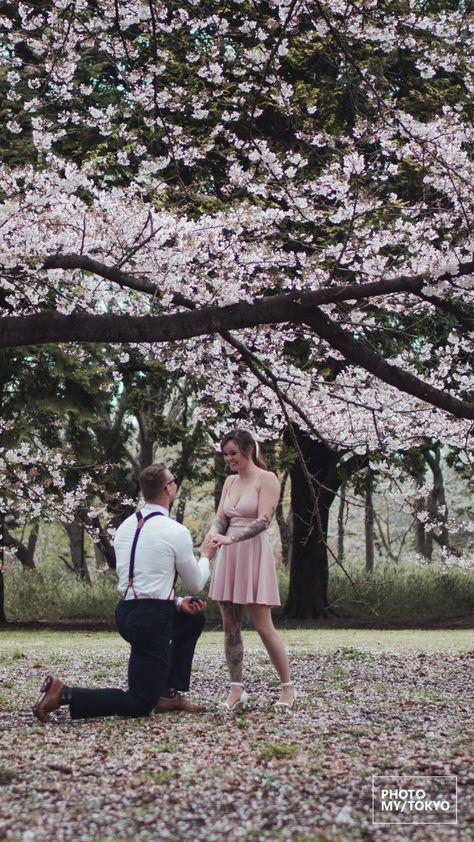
(245, 442)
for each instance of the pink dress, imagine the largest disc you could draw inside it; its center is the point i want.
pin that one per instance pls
(245, 572)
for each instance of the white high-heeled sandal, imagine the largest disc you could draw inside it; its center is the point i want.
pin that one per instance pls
(288, 705)
(241, 701)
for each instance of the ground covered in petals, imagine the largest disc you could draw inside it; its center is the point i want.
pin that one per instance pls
(370, 703)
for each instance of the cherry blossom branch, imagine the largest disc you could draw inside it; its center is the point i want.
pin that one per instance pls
(347, 292)
(293, 307)
(360, 354)
(264, 374)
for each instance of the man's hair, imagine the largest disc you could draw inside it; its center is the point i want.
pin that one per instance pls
(153, 480)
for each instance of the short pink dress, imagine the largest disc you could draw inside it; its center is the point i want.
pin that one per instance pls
(245, 572)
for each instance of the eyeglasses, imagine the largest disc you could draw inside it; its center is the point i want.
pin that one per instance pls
(171, 481)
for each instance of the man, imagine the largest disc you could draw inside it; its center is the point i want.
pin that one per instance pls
(151, 551)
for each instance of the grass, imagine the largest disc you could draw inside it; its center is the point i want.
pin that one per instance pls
(18, 645)
(7, 775)
(278, 751)
(392, 592)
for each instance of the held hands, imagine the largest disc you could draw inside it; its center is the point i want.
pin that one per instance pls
(208, 548)
(191, 605)
(216, 540)
(220, 540)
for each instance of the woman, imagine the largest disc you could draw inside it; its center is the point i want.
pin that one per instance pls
(245, 570)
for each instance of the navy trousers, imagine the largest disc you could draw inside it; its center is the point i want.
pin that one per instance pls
(162, 647)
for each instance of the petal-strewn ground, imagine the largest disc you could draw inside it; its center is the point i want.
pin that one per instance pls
(370, 703)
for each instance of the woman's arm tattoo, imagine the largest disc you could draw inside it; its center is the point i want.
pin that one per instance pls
(218, 526)
(252, 529)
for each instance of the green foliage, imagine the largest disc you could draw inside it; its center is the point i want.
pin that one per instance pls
(56, 594)
(393, 592)
(403, 591)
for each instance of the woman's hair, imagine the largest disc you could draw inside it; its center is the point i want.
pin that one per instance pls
(245, 441)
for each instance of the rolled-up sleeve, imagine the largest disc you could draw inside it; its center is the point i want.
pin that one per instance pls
(194, 574)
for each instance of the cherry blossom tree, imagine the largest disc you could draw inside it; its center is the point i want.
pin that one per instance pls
(276, 197)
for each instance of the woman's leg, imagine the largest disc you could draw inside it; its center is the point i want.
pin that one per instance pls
(261, 616)
(234, 648)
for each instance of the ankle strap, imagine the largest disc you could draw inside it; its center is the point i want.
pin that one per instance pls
(236, 684)
(287, 684)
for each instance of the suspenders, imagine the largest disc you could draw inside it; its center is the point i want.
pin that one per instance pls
(141, 521)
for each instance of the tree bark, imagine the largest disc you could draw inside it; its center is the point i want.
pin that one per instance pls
(439, 495)
(310, 503)
(181, 508)
(420, 532)
(340, 523)
(75, 533)
(283, 523)
(431, 505)
(369, 524)
(25, 552)
(3, 618)
(42, 328)
(103, 549)
(219, 478)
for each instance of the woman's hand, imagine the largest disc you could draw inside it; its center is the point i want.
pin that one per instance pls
(221, 540)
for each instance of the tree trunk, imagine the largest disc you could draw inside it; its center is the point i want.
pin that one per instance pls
(432, 511)
(75, 533)
(283, 523)
(25, 552)
(340, 523)
(420, 534)
(3, 618)
(439, 495)
(420, 506)
(103, 548)
(219, 474)
(310, 503)
(369, 524)
(181, 508)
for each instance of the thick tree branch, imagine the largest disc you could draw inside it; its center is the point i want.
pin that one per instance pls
(326, 295)
(359, 354)
(465, 317)
(298, 308)
(110, 273)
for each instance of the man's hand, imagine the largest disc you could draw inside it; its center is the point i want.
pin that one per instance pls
(208, 547)
(196, 607)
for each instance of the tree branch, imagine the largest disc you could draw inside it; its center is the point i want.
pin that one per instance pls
(359, 354)
(326, 295)
(299, 308)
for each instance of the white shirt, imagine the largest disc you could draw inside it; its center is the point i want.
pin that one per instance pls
(164, 547)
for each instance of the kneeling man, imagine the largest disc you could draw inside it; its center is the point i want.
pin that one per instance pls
(151, 551)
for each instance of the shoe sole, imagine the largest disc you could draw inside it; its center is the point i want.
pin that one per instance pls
(43, 717)
(240, 704)
(287, 705)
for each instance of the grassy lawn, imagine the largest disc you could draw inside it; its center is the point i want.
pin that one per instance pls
(391, 703)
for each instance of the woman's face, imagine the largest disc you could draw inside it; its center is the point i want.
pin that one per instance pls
(234, 458)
